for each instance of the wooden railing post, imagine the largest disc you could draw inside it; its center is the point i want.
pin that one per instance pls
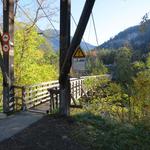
(76, 89)
(81, 88)
(24, 107)
(72, 88)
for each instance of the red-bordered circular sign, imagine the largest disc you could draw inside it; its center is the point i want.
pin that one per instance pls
(5, 37)
(6, 47)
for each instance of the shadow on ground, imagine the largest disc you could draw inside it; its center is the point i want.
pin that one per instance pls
(84, 131)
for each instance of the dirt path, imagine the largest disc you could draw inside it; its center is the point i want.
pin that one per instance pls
(49, 133)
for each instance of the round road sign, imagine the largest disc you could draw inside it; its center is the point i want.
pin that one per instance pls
(5, 37)
(6, 48)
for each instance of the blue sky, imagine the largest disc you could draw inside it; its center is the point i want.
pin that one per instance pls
(111, 16)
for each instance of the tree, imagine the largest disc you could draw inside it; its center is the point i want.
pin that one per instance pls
(106, 56)
(123, 69)
(95, 66)
(141, 94)
(29, 65)
(138, 66)
(148, 61)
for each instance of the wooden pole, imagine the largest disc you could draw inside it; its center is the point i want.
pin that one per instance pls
(67, 49)
(65, 97)
(8, 56)
(77, 36)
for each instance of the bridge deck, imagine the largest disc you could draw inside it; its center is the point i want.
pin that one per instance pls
(13, 124)
(42, 108)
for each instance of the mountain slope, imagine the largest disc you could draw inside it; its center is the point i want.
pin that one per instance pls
(137, 37)
(53, 38)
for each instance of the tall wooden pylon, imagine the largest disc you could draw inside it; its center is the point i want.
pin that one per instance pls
(65, 97)
(8, 56)
(67, 49)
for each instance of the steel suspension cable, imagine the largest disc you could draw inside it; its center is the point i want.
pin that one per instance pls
(48, 17)
(95, 29)
(76, 26)
(32, 21)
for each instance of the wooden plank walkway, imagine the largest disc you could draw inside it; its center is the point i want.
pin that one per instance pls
(42, 108)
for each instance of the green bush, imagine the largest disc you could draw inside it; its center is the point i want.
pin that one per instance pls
(97, 133)
(113, 101)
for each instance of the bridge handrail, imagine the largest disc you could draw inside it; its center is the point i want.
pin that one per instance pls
(32, 95)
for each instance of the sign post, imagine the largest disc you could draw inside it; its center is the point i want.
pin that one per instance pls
(8, 55)
(67, 49)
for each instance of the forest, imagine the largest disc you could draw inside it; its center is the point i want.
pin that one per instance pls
(34, 60)
(117, 110)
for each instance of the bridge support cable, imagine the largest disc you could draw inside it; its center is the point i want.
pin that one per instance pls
(47, 17)
(76, 26)
(8, 56)
(32, 21)
(95, 29)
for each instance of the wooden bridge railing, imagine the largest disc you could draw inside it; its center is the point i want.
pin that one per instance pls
(27, 97)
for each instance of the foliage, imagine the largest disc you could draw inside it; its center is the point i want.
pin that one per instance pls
(34, 59)
(115, 117)
(113, 101)
(31, 62)
(93, 82)
(94, 66)
(106, 56)
(97, 133)
(138, 66)
(141, 94)
(123, 70)
(148, 61)
(1, 108)
(107, 99)
(50, 57)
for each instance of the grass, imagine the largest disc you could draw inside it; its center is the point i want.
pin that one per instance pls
(1, 104)
(82, 131)
(101, 134)
(1, 108)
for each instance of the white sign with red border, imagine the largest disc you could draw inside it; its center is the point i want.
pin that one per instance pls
(6, 47)
(5, 37)
(5, 42)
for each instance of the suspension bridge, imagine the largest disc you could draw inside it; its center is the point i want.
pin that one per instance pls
(57, 95)
(45, 96)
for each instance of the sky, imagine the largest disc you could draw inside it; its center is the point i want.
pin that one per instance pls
(111, 16)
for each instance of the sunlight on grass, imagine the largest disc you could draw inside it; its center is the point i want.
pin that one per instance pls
(1, 107)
